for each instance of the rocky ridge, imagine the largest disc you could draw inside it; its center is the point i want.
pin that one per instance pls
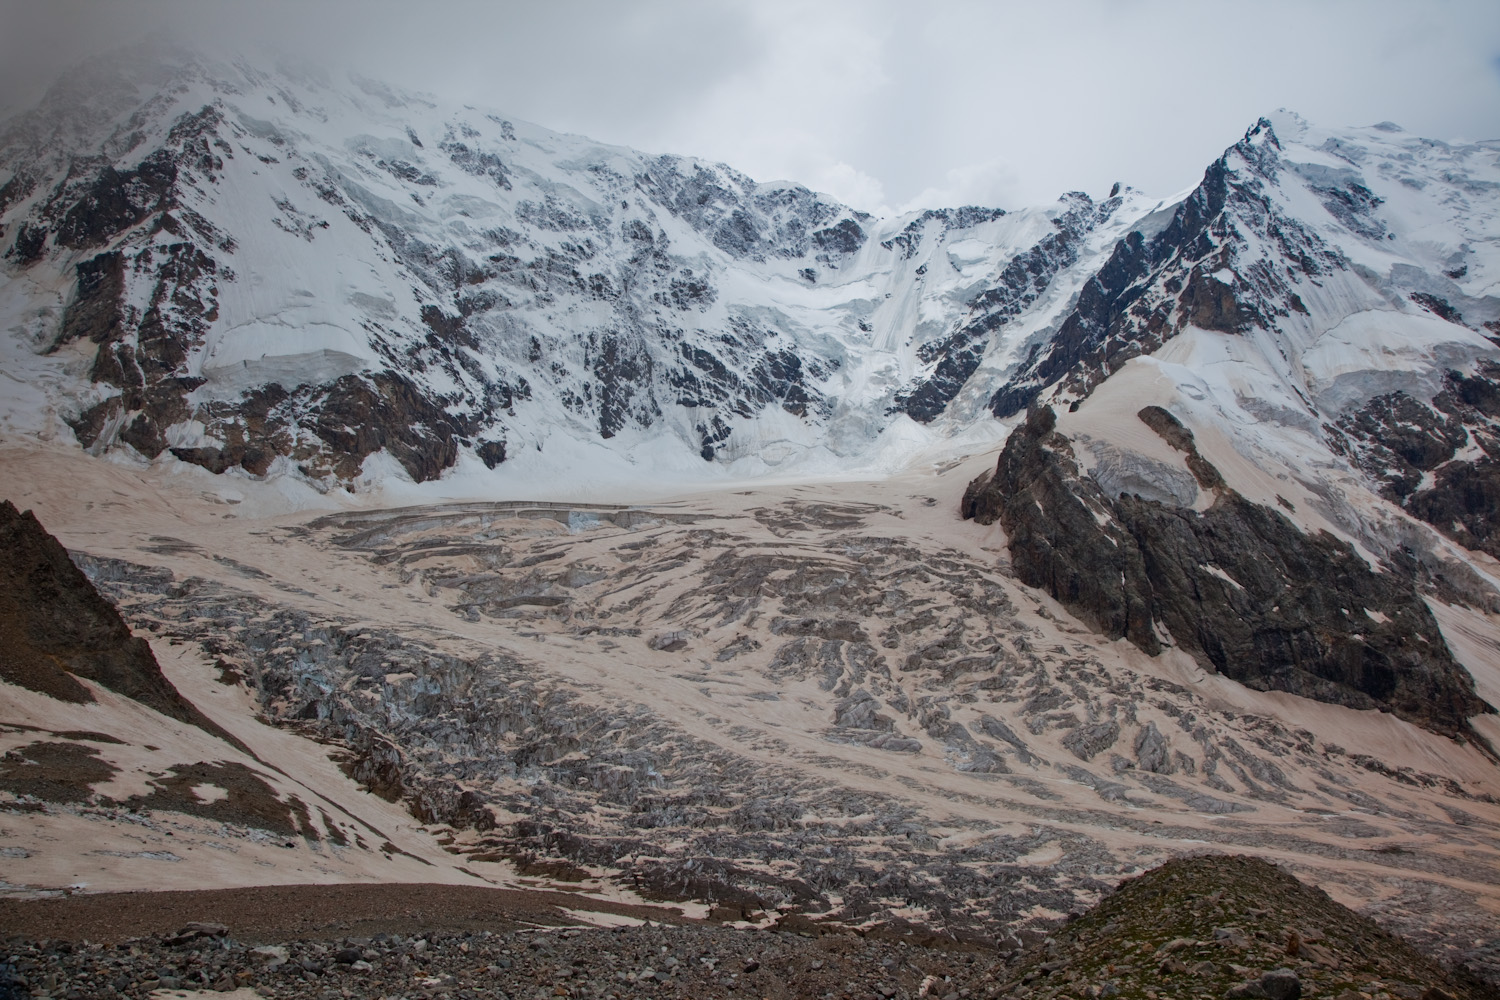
(1227, 260)
(1236, 584)
(56, 628)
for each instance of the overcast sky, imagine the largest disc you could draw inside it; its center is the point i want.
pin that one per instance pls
(886, 105)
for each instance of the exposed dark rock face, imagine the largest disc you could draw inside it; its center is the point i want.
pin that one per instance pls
(143, 354)
(1438, 306)
(352, 418)
(1402, 438)
(909, 239)
(491, 453)
(358, 416)
(1238, 585)
(96, 311)
(148, 299)
(1464, 504)
(1063, 548)
(1410, 447)
(747, 220)
(55, 628)
(113, 201)
(622, 367)
(1195, 271)
(712, 381)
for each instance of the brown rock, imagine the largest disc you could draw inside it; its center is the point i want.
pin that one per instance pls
(55, 627)
(1238, 586)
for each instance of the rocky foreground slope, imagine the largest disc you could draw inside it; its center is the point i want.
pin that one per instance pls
(1220, 926)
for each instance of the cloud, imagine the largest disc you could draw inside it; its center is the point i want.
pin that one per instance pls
(993, 182)
(851, 186)
(875, 101)
(586, 59)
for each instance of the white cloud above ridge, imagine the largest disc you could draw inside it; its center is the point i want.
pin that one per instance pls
(884, 105)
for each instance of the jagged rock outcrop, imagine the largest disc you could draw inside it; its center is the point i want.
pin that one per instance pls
(1237, 585)
(55, 628)
(1437, 457)
(1071, 546)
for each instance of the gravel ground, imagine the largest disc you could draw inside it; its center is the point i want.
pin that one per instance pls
(1204, 928)
(690, 961)
(262, 914)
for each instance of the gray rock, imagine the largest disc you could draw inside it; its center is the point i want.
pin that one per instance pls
(983, 760)
(991, 726)
(1085, 742)
(1152, 752)
(1281, 984)
(1278, 984)
(1233, 937)
(861, 710)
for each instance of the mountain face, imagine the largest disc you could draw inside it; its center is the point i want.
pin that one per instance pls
(1338, 290)
(1235, 584)
(276, 273)
(1321, 310)
(271, 273)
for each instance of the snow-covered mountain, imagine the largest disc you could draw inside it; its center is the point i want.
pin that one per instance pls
(1325, 306)
(271, 273)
